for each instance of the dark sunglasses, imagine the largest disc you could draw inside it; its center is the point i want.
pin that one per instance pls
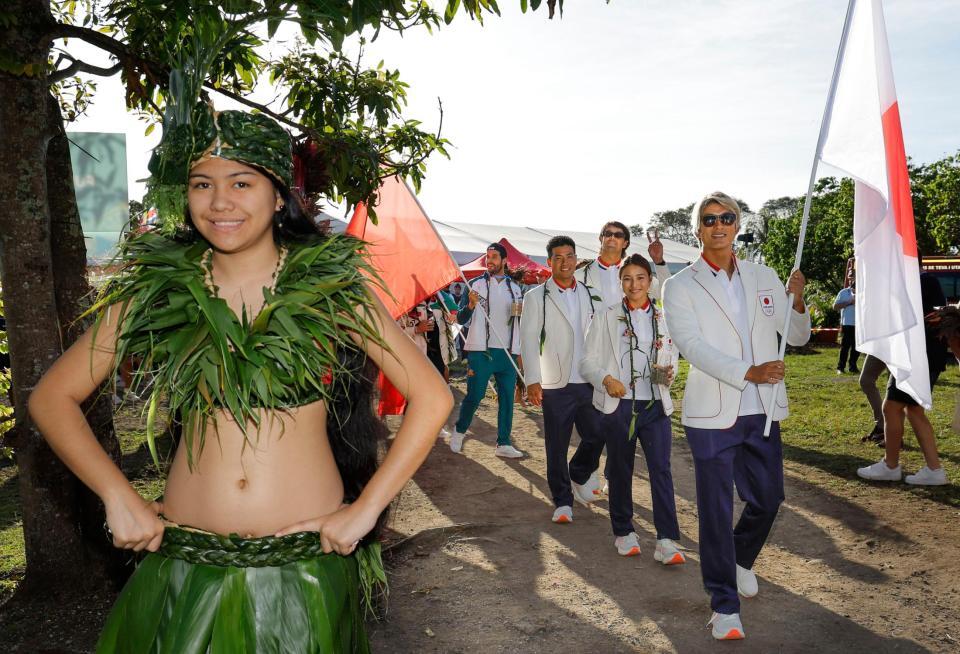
(726, 218)
(607, 233)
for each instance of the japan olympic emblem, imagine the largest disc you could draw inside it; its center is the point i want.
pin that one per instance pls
(766, 303)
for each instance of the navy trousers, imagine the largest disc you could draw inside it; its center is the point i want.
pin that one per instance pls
(652, 430)
(562, 409)
(721, 457)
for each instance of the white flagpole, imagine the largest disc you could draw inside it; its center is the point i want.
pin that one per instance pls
(466, 284)
(824, 128)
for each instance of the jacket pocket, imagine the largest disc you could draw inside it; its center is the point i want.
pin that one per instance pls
(553, 370)
(701, 398)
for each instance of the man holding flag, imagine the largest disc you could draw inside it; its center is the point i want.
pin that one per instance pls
(724, 314)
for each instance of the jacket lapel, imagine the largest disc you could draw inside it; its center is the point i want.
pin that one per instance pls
(748, 275)
(613, 330)
(708, 280)
(552, 292)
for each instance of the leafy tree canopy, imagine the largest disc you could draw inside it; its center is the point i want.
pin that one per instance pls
(351, 115)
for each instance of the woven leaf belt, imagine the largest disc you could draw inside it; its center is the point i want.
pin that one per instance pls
(215, 549)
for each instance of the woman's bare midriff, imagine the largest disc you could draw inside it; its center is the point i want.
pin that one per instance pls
(287, 475)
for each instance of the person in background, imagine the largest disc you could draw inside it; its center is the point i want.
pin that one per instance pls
(725, 315)
(844, 303)
(603, 274)
(490, 346)
(899, 406)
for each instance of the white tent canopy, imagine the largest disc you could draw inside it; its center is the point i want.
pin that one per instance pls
(467, 241)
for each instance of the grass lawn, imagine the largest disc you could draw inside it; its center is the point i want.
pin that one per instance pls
(828, 415)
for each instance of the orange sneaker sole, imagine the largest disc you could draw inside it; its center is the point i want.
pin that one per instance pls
(563, 520)
(733, 634)
(633, 552)
(676, 559)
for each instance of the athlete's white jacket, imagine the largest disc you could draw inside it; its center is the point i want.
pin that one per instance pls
(601, 357)
(701, 325)
(552, 367)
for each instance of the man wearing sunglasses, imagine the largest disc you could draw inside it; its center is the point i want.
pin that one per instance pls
(724, 315)
(603, 274)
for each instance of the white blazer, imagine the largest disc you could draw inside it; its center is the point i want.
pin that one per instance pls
(700, 322)
(551, 368)
(590, 275)
(601, 357)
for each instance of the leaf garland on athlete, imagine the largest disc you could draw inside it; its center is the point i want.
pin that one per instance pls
(634, 345)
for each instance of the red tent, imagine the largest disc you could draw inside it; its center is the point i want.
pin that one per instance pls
(534, 272)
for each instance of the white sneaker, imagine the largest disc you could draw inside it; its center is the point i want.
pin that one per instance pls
(727, 626)
(508, 452)
(582, 493)
(444, 433)
(563, 515)
(927, 477)
(628, 545)
(456, 441)
(880, 472)
(747, 584)
(668, 553)
(593, 484)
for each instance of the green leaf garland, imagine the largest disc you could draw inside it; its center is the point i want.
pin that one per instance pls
(204, 358)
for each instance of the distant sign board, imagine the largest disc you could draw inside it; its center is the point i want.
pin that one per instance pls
(947, 271)
(100, 179)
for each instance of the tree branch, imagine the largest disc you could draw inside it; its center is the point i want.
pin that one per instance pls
(82, 67)
(262, 108)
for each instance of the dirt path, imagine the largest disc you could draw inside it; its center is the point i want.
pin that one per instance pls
(848, 568)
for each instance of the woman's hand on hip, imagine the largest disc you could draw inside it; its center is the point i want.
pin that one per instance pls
(339, 531)
(134, 523)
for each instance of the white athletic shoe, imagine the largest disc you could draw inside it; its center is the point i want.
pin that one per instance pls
(628, 545)
(508, 452)
(582, 493)
(444, 433)
(456, 441)
(927, 477)
(563, 515)
(668, 553)
(727, 626)
(747, 584)
(593, 484)
(880, 472)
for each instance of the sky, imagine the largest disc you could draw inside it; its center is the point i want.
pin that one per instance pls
(620, 110)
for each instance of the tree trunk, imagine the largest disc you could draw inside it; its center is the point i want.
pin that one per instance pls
(73, 296)
(57, 534)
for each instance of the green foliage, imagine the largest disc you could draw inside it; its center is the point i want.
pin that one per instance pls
(820, 302)
(829, 239)
(936, 204)
(673, 224)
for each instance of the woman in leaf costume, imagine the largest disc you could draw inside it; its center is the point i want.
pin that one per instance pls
(630, 360)
(263, 337)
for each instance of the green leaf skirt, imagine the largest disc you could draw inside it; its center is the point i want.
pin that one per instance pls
(207, 593)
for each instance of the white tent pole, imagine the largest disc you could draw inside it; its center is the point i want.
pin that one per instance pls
(821, 139)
